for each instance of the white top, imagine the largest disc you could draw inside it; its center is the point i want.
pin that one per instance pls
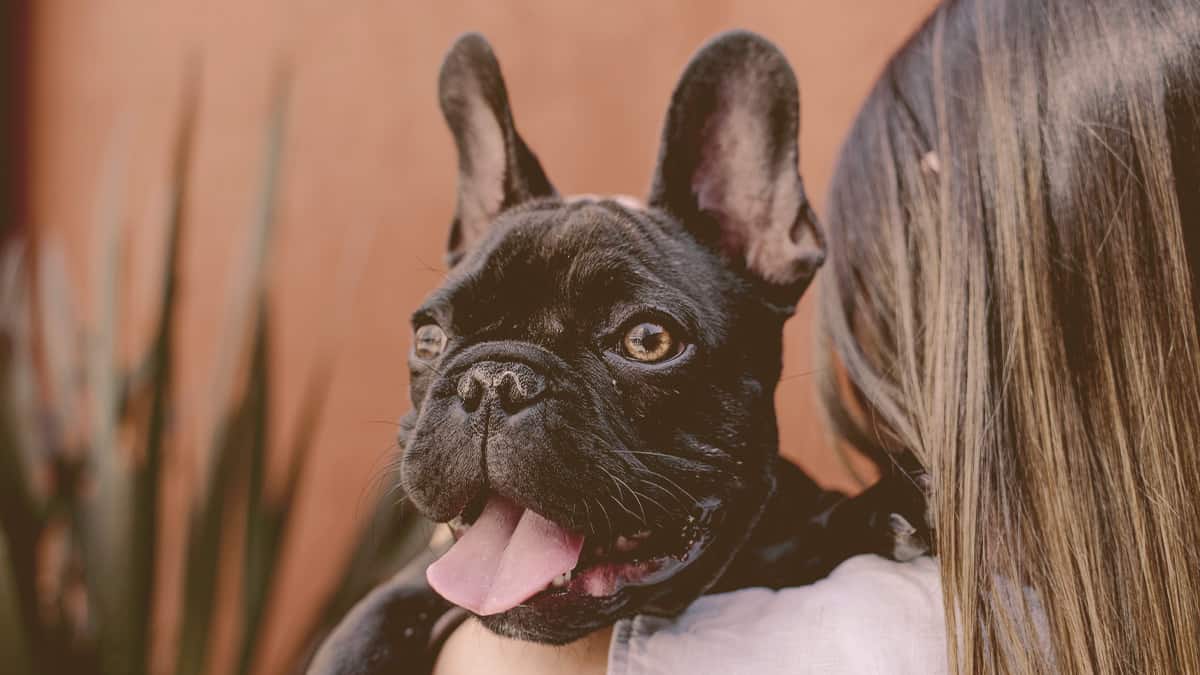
(871, 615)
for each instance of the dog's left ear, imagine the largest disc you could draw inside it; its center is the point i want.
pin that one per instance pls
(496, 170)
(727, 166)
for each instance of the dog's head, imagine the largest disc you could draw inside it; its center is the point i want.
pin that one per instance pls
(593, 382)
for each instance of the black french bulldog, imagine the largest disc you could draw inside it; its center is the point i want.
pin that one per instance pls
(593, 384)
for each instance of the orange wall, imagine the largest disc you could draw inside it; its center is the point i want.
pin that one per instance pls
(365, 149)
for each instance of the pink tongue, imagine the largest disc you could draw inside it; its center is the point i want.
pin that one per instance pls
(508, 555)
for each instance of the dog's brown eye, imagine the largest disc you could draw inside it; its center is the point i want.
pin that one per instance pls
(429, 342)
(649, 343)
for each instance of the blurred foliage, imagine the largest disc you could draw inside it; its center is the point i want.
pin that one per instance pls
(82, 448)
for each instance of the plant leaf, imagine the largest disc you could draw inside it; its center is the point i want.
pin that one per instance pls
(103, 521)
(14, 644)
(119, 526)
(246, 289)
(239, 444)
(271, 522)
(21, 518)
(241, 454)
(262, 522)
(204, 538)
(149, 476)
(21, 377)
(59, 335)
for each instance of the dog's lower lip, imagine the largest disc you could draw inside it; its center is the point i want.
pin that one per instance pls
(605, 578)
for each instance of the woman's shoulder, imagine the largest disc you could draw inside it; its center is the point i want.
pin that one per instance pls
(870, 615)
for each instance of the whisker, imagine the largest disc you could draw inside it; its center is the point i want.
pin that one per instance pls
(588, 510)
(432, 268)
(805, 373)
(626, 509)
(633, 492)
(388, 464)
(394, 491)
(655, 502)
(677, 486)
(669, 493)
(430, 366)
(606, 516)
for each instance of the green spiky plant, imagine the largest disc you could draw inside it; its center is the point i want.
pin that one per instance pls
(82, 448)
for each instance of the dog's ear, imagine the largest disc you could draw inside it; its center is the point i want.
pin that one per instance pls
(727, 166)
(496, 170)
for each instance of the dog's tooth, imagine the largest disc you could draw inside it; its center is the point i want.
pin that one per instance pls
(644, 534)
(625, 544)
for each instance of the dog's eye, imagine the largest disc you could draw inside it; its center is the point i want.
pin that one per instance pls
(429, 342)
(649, 343)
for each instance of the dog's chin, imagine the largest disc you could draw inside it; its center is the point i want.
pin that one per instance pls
(653, 574)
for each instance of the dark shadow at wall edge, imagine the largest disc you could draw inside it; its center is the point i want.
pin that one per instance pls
(16, 35)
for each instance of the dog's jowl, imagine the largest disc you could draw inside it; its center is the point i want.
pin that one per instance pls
(593, 383)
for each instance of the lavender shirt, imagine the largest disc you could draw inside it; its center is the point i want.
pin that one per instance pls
(870, 615)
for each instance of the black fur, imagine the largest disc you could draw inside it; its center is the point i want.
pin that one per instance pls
(585, 436)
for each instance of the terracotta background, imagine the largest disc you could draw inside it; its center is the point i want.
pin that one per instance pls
(366, 151)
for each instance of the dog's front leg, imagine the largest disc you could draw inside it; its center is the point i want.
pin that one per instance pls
(396, 628)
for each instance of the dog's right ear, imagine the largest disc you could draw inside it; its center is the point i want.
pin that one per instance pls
(496, 170)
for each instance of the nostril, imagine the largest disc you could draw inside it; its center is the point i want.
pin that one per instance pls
(470, 391)
(517, 390)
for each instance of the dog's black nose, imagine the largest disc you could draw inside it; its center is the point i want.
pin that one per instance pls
(512, 385)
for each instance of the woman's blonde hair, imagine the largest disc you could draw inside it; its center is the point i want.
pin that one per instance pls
(1012, 286)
